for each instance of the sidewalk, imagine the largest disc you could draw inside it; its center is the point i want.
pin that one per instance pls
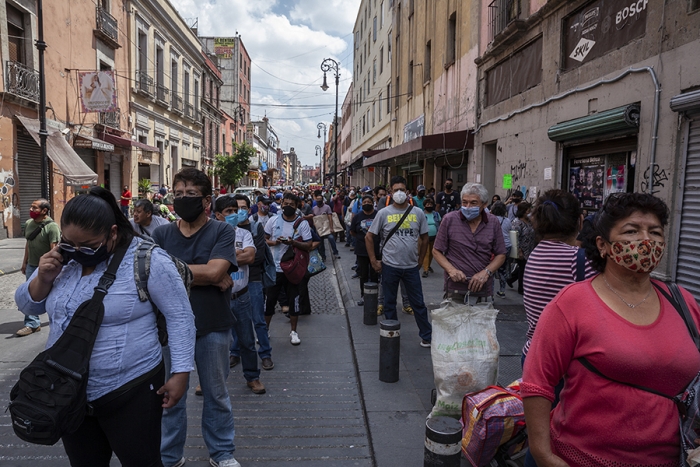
(396, 412)
(11, 255)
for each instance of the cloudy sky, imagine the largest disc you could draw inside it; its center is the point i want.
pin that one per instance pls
(287, 40)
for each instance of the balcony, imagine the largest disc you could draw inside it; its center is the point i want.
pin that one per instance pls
(197, 116)
(107, 28)
(189, 111)
(176, 103)
(110, 119)
(22, 81)
(144, 83)
(162, 95)
(501, 14)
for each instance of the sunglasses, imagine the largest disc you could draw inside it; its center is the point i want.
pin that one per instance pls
(83, 249)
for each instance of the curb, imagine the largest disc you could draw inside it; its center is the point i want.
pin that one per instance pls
(10, 270)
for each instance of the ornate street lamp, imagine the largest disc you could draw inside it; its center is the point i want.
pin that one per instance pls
(319, 152)
(331, 65)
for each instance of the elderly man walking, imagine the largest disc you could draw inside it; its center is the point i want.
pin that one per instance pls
(469, 246)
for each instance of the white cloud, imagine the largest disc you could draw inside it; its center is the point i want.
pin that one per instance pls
(287, 41)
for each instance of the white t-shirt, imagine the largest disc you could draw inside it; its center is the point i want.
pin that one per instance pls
(244, 239)
(277, 227)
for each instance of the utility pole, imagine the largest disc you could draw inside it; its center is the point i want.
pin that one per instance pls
(43, 134)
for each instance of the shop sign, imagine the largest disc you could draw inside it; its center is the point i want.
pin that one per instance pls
(414, 129)
(97, 91)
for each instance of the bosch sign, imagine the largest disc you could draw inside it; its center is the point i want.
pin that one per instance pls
(630, 10)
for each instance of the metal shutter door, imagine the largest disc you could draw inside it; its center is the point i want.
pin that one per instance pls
(115, 177)
(29, 173)
(688, 261)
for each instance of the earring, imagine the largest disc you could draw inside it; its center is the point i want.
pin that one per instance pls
(602, 254)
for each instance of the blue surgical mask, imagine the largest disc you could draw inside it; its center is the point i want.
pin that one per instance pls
(471, 213)
(232, 219)
(242, 215)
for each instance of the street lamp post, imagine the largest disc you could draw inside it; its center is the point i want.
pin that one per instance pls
(331, 65)
(319, 152)
(325, 128)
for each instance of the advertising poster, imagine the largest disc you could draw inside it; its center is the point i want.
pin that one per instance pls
(586, 177)
(97, 91)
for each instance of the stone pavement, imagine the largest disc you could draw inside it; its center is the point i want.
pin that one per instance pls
(11, 255)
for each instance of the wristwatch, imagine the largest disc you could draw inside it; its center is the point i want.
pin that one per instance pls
(488, 272)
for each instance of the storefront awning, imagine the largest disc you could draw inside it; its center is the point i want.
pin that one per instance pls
(74, 170)
(88, 142)
(423, 147)
(128, 143)
(621, 120)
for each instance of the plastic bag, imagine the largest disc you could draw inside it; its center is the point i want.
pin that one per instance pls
(465, 353)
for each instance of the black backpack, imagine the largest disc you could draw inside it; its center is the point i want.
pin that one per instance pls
(50, 398)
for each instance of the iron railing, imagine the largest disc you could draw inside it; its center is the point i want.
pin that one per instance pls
(21, 81)
(189, 110)
(107, 24)
(144, 83)
(176, 102)
(162, 94)
(110, 119)
(501, 14)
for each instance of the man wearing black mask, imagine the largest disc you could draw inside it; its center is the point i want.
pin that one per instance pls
(358, 228)
(446, 201)
(208, 247)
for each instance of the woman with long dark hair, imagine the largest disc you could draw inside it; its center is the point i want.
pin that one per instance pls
(127, 385)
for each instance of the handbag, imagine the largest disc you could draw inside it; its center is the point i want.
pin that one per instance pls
(50, 398)
(295, 261)
(316, 264)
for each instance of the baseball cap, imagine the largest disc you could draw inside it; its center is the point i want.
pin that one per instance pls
(279, 196)
(420, 188)
(366, 189)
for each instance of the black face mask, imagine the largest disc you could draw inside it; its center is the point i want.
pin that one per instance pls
(367, 208)
(289, 211)
(448, 186)
(188, 207)
(319, 203)
(101, 254)
(429, 208)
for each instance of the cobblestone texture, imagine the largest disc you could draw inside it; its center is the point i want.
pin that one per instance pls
(8, 285)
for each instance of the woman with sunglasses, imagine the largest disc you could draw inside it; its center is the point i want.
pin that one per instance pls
(619, 322)
(127, 385)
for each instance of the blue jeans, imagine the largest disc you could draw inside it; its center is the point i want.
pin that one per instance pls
(322, 246)
(242, 331)
(414, 288)
(125, 211)
(257, 302)
(33, 321)
(380, 296)
(211, 353)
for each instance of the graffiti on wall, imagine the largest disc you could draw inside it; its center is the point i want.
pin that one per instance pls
(8, 199)
(658, 179)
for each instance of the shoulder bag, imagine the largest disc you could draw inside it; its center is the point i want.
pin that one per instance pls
(50, 398)
(35, 233)
(295, 261)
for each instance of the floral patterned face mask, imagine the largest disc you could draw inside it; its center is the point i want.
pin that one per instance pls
(639, 256)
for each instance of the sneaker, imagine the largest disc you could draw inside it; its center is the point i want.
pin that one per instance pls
(224, 463)
(233, 361)
(25, 331)
(256, 386)
(294, 338)
(198, 390)
(425, 344)
(425, 273)
(355, 276)
(408, 310)
(360, 302)
(380, 310)
(501, 294)
(179, 463)
(430, 269)
(267, 364)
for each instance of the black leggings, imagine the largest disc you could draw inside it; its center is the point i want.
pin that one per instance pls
(365, 271)
(128, 426)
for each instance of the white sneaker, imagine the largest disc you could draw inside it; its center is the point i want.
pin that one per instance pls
(224, 463)
(294, 338)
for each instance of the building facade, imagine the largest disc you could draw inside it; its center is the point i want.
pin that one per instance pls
(212, 115)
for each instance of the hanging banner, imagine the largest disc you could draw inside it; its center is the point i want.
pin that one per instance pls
(97, 91)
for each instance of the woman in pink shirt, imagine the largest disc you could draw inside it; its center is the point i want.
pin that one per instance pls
(626, 329)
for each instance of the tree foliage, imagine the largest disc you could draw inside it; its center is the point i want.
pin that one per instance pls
(231, 169)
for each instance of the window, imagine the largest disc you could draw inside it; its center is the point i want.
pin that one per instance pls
(398, 93)
(517, 73)
(409, 89)
(397, 26)
(411, 7)
(173, 76)
(374, 30)
(388, 98)
(357, 40)
(373, 114)
(694, 5)
(15, 33)
(186, 85)
(374, 72)
(381, 61)
(427, 62)
(379, 106)
(142, 52)
(196, 94)
(451, 40)
(381, 14)
(388, 52)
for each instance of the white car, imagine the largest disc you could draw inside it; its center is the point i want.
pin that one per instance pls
(246, 190)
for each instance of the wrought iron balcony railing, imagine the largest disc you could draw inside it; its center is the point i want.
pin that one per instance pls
(110, 119)
(501, 14)
(22, 81)
(107, 26)
(162, 94)
(144, 83)
(176, 103)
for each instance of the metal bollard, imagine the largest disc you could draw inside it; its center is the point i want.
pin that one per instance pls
(443, 442)
(371, 300)
(389, 350)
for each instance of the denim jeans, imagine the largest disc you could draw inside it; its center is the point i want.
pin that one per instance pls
(33, 321)
(349, 239)
(411, 277)
(243, 344)
(125, 211)
(322, 246)
(211, 353)
(380, 296)
(257, 302)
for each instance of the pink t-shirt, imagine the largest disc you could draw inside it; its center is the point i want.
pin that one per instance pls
(600, 422)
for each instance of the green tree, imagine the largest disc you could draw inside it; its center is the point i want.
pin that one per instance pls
(231, 169)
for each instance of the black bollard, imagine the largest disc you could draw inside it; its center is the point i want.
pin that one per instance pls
(389, 350)
(371, 299)
(443, 442)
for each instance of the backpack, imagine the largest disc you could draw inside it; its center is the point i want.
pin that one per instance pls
(50, 398)
(492, 417)
(142, 269)
(269, 270)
